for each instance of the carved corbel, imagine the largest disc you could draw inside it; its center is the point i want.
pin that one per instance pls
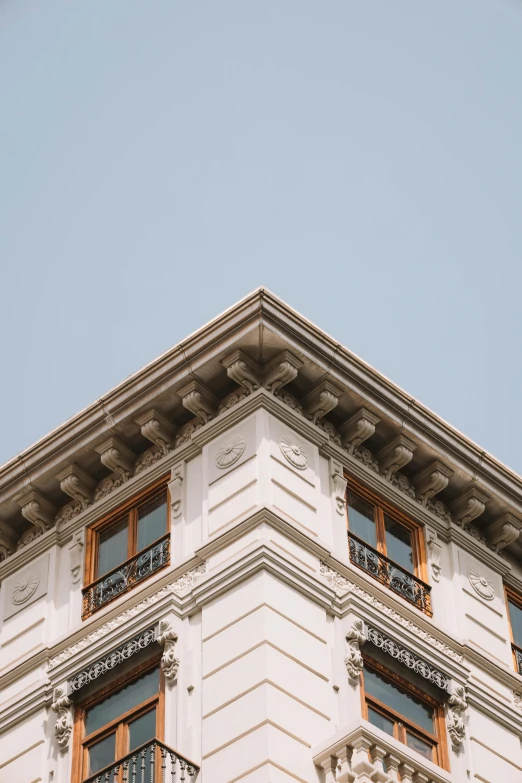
(76, 557)
(355, 637)
(321, 400)
(338, 486)
(37, 510)
(281, 371)
(7, 541)
(168, 639)
(469, 505)
(457, 705)
(158, 430)
(434, 550)
(64, 722)
(357, 429)
(431, 480)
(243, 370)
(395, 455)
(116, 456)
(76, 483)
(199, 400)
(503, 532)
(176, 488)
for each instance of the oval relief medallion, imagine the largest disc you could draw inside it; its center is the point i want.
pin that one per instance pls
(481, 585)
(25, 588)
(294, 453)
(230, 453)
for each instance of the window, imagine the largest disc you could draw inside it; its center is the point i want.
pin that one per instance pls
(118, 720)
(387, 545)
(404, 712)
(514, 604)
(126, 547)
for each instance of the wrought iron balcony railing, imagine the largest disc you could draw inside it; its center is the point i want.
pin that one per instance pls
(517, 652)
(390, 574)
(152, 762)
(125, 576)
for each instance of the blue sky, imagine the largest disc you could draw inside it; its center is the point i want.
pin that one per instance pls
(362, 160)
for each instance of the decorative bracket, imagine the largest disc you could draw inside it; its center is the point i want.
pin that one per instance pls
(357, 429)
(176, 488)
(321, 400)
(75, 555)
(243, 370)
(503, 532)
(432, 480)
(395, 455)
(434, 550)
(457, 705)
(158, 430)
(168, 639)
(355, 637)
(338, 486)
(76, 483)
(116, 456)
(281, 371)
(199, 400)
(37, 510)
(64, 723)
(469, 505)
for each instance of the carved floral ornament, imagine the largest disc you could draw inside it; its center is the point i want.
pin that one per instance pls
(481, 585)
(294, 453)
(228, 454)
(25, 588)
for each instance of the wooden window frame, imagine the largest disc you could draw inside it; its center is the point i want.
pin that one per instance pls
(512, 596)
(440, 754)
(130, 507)
(382, 507)
(80, 739)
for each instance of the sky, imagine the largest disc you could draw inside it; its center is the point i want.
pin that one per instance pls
(362, 160)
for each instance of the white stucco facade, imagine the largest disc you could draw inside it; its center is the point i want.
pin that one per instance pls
(260, 613)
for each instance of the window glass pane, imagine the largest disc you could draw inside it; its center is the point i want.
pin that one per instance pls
(361, 519)
(403, 703)
(122, 701)
(421, 746)
(102, 753)
(112, 546)
(152, 520)
(142, 729)
(398, 544)
(515, 614)
(380, 721)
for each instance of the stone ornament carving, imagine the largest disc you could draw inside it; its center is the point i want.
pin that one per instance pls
(503, 532)
(231, 400)
(117, 456)
(113, 659)
(186, 432)
(409, 659)
(457, 705)
(321, 400)
(156, 428)
(37, 510)
(365, 456)
(468, 506)
(281, 371)
(294, 453)
(231, 452)
(76, 557)
(176, 488)
(434, 551)
(338, 486)
(108, 485)
(76, 483)
(199, 400)
(481, 585)
(169, 660)
(432, 480)
(357, 429)
(64, 723)
(353, 661)
(395, 455)
(28, 537)
(403, 484)
(242, 370)
(342, 586)
(178, 587)
(25, 588)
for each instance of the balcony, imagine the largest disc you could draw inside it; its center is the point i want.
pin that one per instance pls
(124, 577)
(517, 654)
(153, 762)
(366, 753)
(388, 573)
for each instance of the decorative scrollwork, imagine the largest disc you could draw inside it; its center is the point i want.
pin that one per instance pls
(409, 659)
(388, 573)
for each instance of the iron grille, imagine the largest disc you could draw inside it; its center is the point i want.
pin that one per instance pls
(152, 762)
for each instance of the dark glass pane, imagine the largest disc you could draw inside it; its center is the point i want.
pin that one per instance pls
(102, 753)
(515, 615)
(421, 746)
(152, 520)
(403, 703)
(142, 729)
(122, 701)
(361, 519)
(380, 721)
(398, 544)
(112, 546)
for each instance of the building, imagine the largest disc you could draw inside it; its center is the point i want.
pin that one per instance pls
(258, 560)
